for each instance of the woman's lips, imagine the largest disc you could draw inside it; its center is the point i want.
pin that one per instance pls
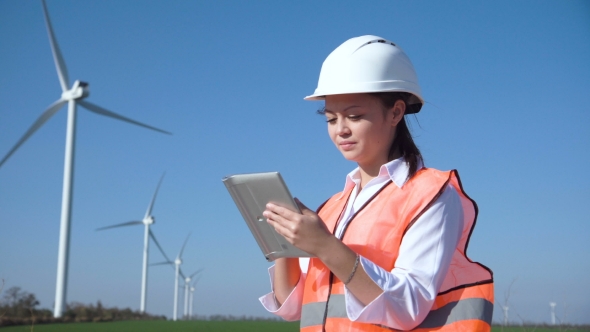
(347, 145)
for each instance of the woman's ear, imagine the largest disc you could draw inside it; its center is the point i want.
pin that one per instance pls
(398, 111)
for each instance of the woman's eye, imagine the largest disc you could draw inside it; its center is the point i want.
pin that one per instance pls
(331, 120)
(354, 117)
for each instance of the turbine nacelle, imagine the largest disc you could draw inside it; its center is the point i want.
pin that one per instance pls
(149, 220)
(178, 261)
(187, 280)
(78, 91)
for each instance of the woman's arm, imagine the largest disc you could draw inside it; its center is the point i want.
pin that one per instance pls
(426, 251)
(290, 308)
(309, 233)
(400, 298)
(286, 276)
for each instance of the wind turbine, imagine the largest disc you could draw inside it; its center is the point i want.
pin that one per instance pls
(147, 220)
(187, 284)
(72, 96)
(177, 262)
(505, 309)
(552, 304)
(190, 315)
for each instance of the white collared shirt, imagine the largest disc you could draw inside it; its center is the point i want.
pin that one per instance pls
(425, 253)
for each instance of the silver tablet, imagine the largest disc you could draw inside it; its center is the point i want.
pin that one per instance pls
(251, 193)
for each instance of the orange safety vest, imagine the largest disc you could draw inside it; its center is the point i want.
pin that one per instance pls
(465, 299)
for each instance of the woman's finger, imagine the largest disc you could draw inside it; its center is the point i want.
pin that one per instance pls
(282, 211)
(300, 205)
(304, 209)
(270, 215)
(278, 220)
(281, 229)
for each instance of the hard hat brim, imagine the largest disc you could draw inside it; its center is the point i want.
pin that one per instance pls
(414, 105)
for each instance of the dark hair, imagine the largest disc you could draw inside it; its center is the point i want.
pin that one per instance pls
(403, 141)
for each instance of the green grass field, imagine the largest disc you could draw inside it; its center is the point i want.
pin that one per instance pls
(153, 326)
(205, 326)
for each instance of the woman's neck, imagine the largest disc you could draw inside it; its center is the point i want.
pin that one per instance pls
(370, 171)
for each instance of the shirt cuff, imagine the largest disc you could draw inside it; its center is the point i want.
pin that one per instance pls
(380, 310)
(354, 307)
(291, 308)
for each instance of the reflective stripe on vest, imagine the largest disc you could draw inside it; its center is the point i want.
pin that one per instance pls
(313, 313)
(467, 309)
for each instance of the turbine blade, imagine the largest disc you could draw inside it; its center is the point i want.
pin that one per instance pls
(161, 263)
(129, 223)
(102, 111)
(36, 125)
(60, 64)
(181, 274)
(196, 280)
(168, 261)
(182, 249)
(192, 275)
(151, 206)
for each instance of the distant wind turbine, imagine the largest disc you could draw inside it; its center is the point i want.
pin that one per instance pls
(72, 96)
(552, 304)
(193, 286)
(147, 220)
(187, 285)
(178, 273)
(505, 309)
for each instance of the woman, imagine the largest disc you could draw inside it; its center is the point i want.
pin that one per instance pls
(389, 251)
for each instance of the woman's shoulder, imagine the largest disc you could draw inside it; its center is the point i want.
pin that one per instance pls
(429, 176)
(445, 180)
(436, 171)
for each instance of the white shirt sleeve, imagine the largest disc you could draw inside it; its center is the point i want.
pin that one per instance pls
(291, 308)
(409, 290)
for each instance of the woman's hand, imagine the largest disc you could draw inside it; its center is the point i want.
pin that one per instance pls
(305, 231)
(308, 232)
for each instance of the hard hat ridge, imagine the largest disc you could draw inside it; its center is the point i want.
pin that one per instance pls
(368, 64)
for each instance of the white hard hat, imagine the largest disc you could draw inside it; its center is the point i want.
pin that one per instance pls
(368, 64)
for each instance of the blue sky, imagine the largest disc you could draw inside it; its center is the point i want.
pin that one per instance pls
(506, 85)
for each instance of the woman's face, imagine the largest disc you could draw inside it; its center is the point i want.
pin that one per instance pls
(361, 128)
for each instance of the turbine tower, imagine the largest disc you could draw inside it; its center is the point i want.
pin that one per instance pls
(178, 273)
(190, 314)
(187, 285)
(177, 263)
(505, 309)
(72, 96)
(552, 304)
(147, 220)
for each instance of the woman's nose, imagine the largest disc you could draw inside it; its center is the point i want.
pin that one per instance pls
(342, 128)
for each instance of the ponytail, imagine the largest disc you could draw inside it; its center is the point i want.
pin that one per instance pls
(403, 141)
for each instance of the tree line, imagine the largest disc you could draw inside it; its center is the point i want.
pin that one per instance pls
(19, 307)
